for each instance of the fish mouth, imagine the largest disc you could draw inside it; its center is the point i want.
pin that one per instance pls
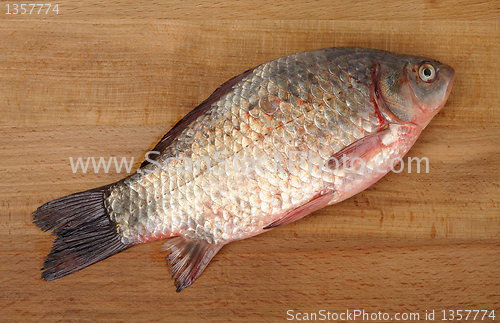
(427, 113)
(451, 75)
(448, 73)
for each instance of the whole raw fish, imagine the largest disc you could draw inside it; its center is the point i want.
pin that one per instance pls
(266, 148)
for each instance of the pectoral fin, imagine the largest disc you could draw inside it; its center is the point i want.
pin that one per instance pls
(188, 259)
(365, 148)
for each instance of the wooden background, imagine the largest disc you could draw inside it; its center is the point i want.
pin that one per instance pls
(109, 78)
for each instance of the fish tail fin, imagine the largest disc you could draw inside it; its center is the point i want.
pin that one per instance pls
(85, 233)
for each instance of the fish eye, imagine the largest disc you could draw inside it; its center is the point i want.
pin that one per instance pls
(427, 72)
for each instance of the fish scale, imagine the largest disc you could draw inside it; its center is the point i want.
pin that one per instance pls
(265, 149)
(293, 100)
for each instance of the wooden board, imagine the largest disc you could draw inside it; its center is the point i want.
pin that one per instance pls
(110, 78)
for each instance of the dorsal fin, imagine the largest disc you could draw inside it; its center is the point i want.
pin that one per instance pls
(191, 116)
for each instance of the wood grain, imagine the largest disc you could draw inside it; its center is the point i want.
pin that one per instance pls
(107, 79)
(279, 9)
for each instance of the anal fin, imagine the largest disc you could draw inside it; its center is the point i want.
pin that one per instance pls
(188, 259)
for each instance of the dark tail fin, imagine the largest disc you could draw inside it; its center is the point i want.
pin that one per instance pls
(85, 233)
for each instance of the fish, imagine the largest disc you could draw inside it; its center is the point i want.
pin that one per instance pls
(268, 147)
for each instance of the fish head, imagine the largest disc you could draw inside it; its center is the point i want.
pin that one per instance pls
(412, 89)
